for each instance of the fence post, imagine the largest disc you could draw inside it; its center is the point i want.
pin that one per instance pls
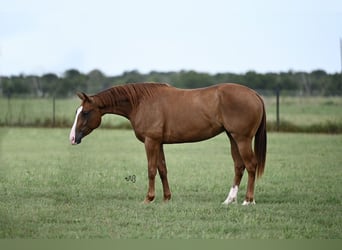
(278, 119)
(53, 110)
(9, 111)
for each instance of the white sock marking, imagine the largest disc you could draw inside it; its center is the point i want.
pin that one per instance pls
(232, 196)
(246, 203)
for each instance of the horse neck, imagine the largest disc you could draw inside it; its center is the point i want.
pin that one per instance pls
(112, 102)
(122, 100)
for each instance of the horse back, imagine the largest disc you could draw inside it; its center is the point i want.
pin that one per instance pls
(179, 115)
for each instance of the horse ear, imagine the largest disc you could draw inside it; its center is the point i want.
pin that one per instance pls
(83, 96)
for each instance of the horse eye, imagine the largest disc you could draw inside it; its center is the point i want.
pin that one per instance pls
(85, 113)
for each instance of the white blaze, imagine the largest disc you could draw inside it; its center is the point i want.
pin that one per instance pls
(73, 129)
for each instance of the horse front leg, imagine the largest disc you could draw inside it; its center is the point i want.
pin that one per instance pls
(152, 148)
(163, 174)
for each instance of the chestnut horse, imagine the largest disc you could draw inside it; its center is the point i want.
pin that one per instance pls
(162, 114)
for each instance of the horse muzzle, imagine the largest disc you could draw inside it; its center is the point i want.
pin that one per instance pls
(76, 139)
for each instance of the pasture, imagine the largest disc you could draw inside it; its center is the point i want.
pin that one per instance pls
(50, 189)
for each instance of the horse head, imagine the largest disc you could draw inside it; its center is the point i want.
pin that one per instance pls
(88, 118)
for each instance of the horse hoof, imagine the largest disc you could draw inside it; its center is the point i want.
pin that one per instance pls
(148, 201)
(229, 201)
(246, 203)
(167, 200)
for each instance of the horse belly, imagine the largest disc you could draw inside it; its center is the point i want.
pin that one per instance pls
(179, 117)
(190, 129)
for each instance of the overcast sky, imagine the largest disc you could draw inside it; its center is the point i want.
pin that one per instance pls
(48, 36)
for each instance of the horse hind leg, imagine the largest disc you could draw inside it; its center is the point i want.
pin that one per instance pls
(239, 168)
(248, 157)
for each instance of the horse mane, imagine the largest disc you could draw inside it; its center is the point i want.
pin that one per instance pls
(132, 92)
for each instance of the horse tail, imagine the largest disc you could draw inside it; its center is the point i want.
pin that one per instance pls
(260, 143)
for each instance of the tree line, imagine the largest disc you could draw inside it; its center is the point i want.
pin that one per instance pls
(317, 82)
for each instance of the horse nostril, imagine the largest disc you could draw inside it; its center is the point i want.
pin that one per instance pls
(78, 138)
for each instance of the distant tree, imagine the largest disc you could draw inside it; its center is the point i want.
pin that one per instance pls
(71, 73)
(287, 81)
(48, 84)
(315, 82)
(228, 78)
(132, 77)
(334, 86)
(17, 85)
(254, 80)
(155, 76)
(270, 81)
(33, 83)
(7, 87)
(319, 81)
(192, 79)
(96, 81)
(73, 81)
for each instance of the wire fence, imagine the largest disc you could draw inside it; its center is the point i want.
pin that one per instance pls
(285, 112)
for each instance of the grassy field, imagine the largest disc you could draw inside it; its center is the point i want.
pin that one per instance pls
(320, 114)
(49, 189)
(306, 110)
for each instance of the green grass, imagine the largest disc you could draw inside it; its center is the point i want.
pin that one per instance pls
(306, 111)
(49, 189)
(39, 113)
